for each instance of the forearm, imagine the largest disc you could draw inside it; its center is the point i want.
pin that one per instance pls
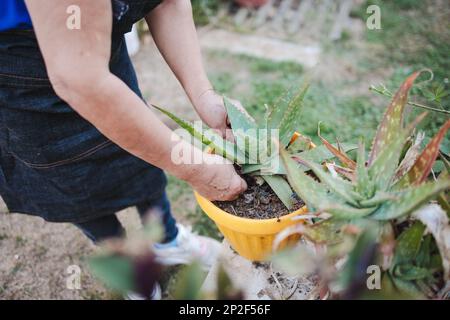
(126, 120)
(173, 30)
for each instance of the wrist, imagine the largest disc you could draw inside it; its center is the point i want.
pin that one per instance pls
(197, 92)
(190, 168)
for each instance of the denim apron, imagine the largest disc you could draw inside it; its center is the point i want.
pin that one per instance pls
(53, 163)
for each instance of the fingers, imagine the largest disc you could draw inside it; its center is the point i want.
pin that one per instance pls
(237, 186)
(229, 135)
(225, 185)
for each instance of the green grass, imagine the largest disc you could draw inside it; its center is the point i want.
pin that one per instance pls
(203, 10)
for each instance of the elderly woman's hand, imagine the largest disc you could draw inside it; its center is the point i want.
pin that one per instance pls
(212, 111)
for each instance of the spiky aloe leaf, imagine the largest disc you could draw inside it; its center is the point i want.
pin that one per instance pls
(407, 288)
(248, 144)
(393, 118)
(251, 168)
(343, 158)
(410, 200)
(379, 198)
(346, 212)
(408, 244)
(339, 186)
(209, 138)
(424, 163)
(383, 168)
(364, 185)
(423, 257)
(278, 110)
(288, 123)
(239, 117)
(313, 193)
(410, 272)
(281, 188)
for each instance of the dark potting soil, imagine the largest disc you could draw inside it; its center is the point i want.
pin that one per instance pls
(258, 202)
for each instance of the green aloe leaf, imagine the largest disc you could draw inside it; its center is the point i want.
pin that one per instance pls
(364, 185)
(407, 288)
(209, 138)
(313, 193)
(423, 257)
(288, 123)
(379, 198)
(410, 199)
(280, 108)
(392, 121)
(408, 244)
(251, 168)
(239, 118)
(341, 187)
(346, 212)
(281, 188)
(248, 144)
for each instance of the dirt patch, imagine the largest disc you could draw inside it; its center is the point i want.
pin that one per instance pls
(258, 202)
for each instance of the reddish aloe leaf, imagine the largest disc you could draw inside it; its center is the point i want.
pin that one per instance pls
(345, 172)
(393, 118)
(424, 163)
(345, 160)
(410, 157)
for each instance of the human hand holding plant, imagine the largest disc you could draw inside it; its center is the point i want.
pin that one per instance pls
(211, 109)
(217, 180)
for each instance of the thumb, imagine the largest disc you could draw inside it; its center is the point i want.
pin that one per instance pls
(238, 184)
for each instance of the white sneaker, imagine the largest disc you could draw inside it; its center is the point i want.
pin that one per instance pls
(156, 294)
(188, 247)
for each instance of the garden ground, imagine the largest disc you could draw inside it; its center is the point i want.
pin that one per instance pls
(35, 255)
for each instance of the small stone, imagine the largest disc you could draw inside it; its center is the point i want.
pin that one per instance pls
(264, 200)
(248, 198)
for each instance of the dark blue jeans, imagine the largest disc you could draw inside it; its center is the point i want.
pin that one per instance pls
(109, 226)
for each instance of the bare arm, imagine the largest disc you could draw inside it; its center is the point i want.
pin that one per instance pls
(173, 30)
(77, 64)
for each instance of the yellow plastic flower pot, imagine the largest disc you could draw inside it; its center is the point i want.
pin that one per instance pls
(251, 238)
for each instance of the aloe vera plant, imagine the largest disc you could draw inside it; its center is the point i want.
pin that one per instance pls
(254, 149)
(378, 194)
(378, 188)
